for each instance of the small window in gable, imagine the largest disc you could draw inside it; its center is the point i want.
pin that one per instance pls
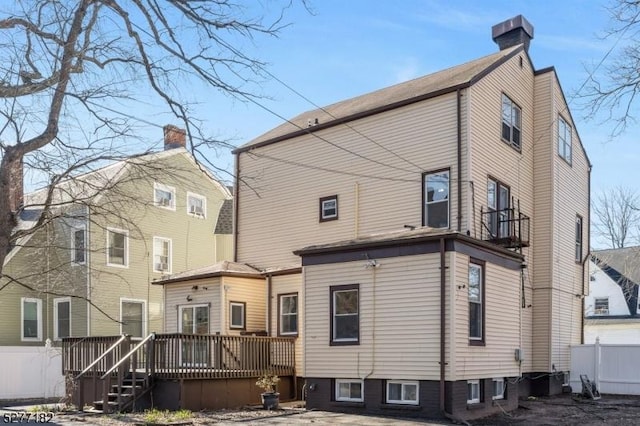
(511, 122)
(564, 139)
(329, 208)
(601, 306)
(164, 196)
(196, 205)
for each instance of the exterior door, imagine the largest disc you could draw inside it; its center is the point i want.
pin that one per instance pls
(194, 320)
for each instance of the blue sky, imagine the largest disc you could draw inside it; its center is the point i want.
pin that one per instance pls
(347, 48)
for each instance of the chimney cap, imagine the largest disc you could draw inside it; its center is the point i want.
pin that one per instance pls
(513, 31)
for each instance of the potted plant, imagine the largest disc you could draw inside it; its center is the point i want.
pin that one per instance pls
(270, 398)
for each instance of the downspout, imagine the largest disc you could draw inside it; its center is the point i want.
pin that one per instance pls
(269, 291)
(236, 207)
(442, 323)
(459, 147)
(584, 261)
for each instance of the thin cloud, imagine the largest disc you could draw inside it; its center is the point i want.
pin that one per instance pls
(564, 43)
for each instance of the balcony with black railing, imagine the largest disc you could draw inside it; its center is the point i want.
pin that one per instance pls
(508, 228)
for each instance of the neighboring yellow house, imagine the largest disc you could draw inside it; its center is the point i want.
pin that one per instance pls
(115, 230)
(434, 235)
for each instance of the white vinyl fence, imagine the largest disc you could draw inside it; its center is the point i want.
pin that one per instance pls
(31, 372)
(614, 368)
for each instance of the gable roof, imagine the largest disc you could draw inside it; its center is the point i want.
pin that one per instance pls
(391, 97)
(90, 185)
(225, 218)
(623, 267)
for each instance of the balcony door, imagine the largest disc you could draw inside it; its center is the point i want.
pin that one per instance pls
(194, 321)
(499, 211)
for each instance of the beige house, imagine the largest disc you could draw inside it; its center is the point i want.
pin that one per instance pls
(441, 227)
(112, 232)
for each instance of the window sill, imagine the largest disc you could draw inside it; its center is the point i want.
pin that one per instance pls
(477, 343)
(349, 404)
(475, 406)
(400, 407)
(354, 343)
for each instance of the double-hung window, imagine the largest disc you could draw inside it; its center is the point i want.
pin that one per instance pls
(31, 320)
(162, 255)
(511, 122)
(345, 316)
(164, 196)
(476, 303)
(601, 306)
(402, 392)
(436, 199)
(564, 139)
(62, 318)
(328, 208)
(288, 307)
(78, 246)
(117, 247)
(196, 205)
(349, 390)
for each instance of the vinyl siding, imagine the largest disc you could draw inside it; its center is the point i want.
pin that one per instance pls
(192, 240)
(175, 295)
(502, 323)
(251, 291)
(399, 321)
(385, 195)
(284, 284)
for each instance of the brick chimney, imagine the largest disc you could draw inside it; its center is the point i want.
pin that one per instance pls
(16, 184)
(513, 32)
(174, 137)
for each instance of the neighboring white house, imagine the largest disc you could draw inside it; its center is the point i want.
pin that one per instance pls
(611, 308)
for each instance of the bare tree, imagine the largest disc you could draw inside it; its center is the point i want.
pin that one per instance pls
(70, 67)
(614, 83)
(616, 216)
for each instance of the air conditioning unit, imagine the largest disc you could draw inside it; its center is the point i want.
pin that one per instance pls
(162, 267)
(197, 210)
(165, 202)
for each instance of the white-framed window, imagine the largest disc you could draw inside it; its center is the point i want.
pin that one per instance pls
(473, 391)
(196, 205)
(349, 390)
(436, 199)
(117, 247)
(402, 392)
(564, 140)
(133, 317)
(328, 208)
(237, 312)
(164, 196)
(78, 245)
(345, 317)
(30, 319)
(61, 318)
(162, 255)
(601, 306)
(498, 388)
(511, 122)
(476, 313)
(288, 308)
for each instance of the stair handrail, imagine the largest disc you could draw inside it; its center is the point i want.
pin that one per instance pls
(101, 357)
(127, 356)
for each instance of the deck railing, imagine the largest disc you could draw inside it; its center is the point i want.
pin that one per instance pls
(184, 356)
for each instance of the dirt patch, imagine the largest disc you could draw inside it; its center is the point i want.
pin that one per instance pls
(570, 410)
